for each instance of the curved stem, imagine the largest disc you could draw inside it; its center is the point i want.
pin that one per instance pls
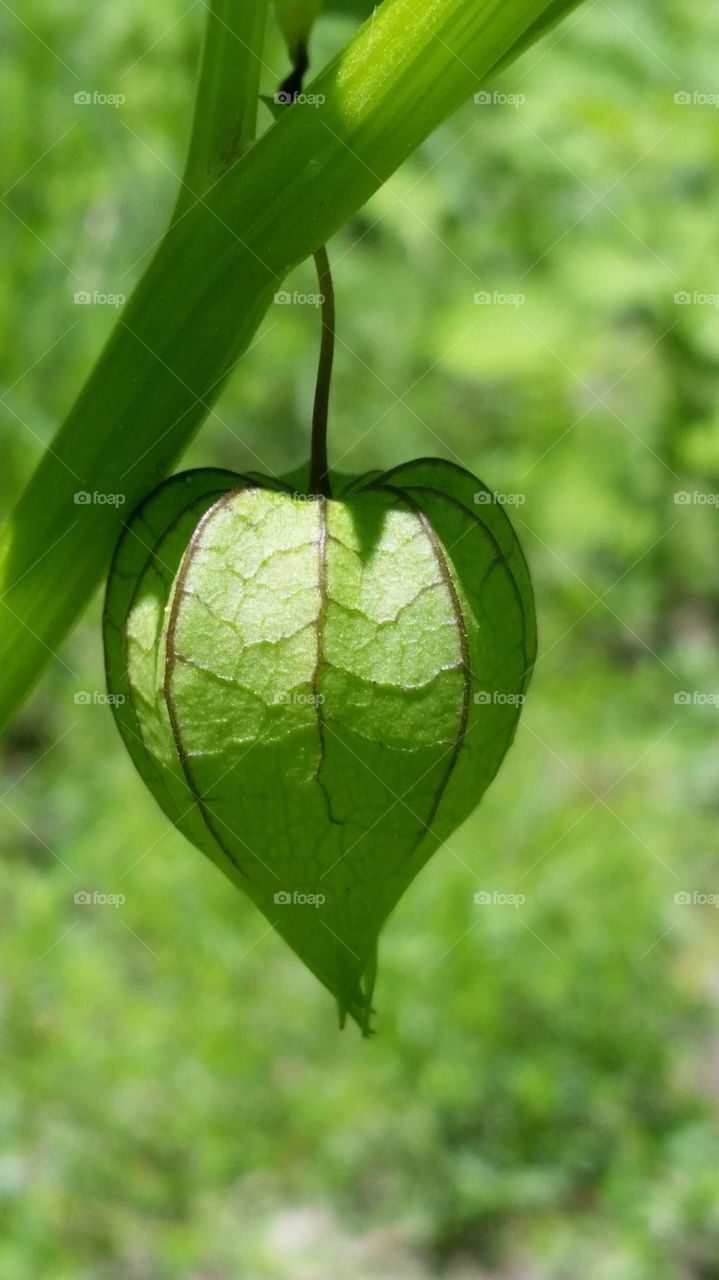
(292, 85)
(319, 477)
(319, 469)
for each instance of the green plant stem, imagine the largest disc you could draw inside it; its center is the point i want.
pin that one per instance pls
(208, 286)
(319, 467)
(225, 116)
(319, 473)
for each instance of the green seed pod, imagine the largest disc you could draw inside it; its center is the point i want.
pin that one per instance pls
(318, 691)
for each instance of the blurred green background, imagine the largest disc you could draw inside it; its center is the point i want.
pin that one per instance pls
(540, 1100)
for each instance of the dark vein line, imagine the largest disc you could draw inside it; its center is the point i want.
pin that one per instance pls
(170, 659)
(446, 576)
(121, 628)
(320, 660)
(378, 623)
(503, 558)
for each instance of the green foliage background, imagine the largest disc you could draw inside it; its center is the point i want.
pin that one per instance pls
(540, 1101)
